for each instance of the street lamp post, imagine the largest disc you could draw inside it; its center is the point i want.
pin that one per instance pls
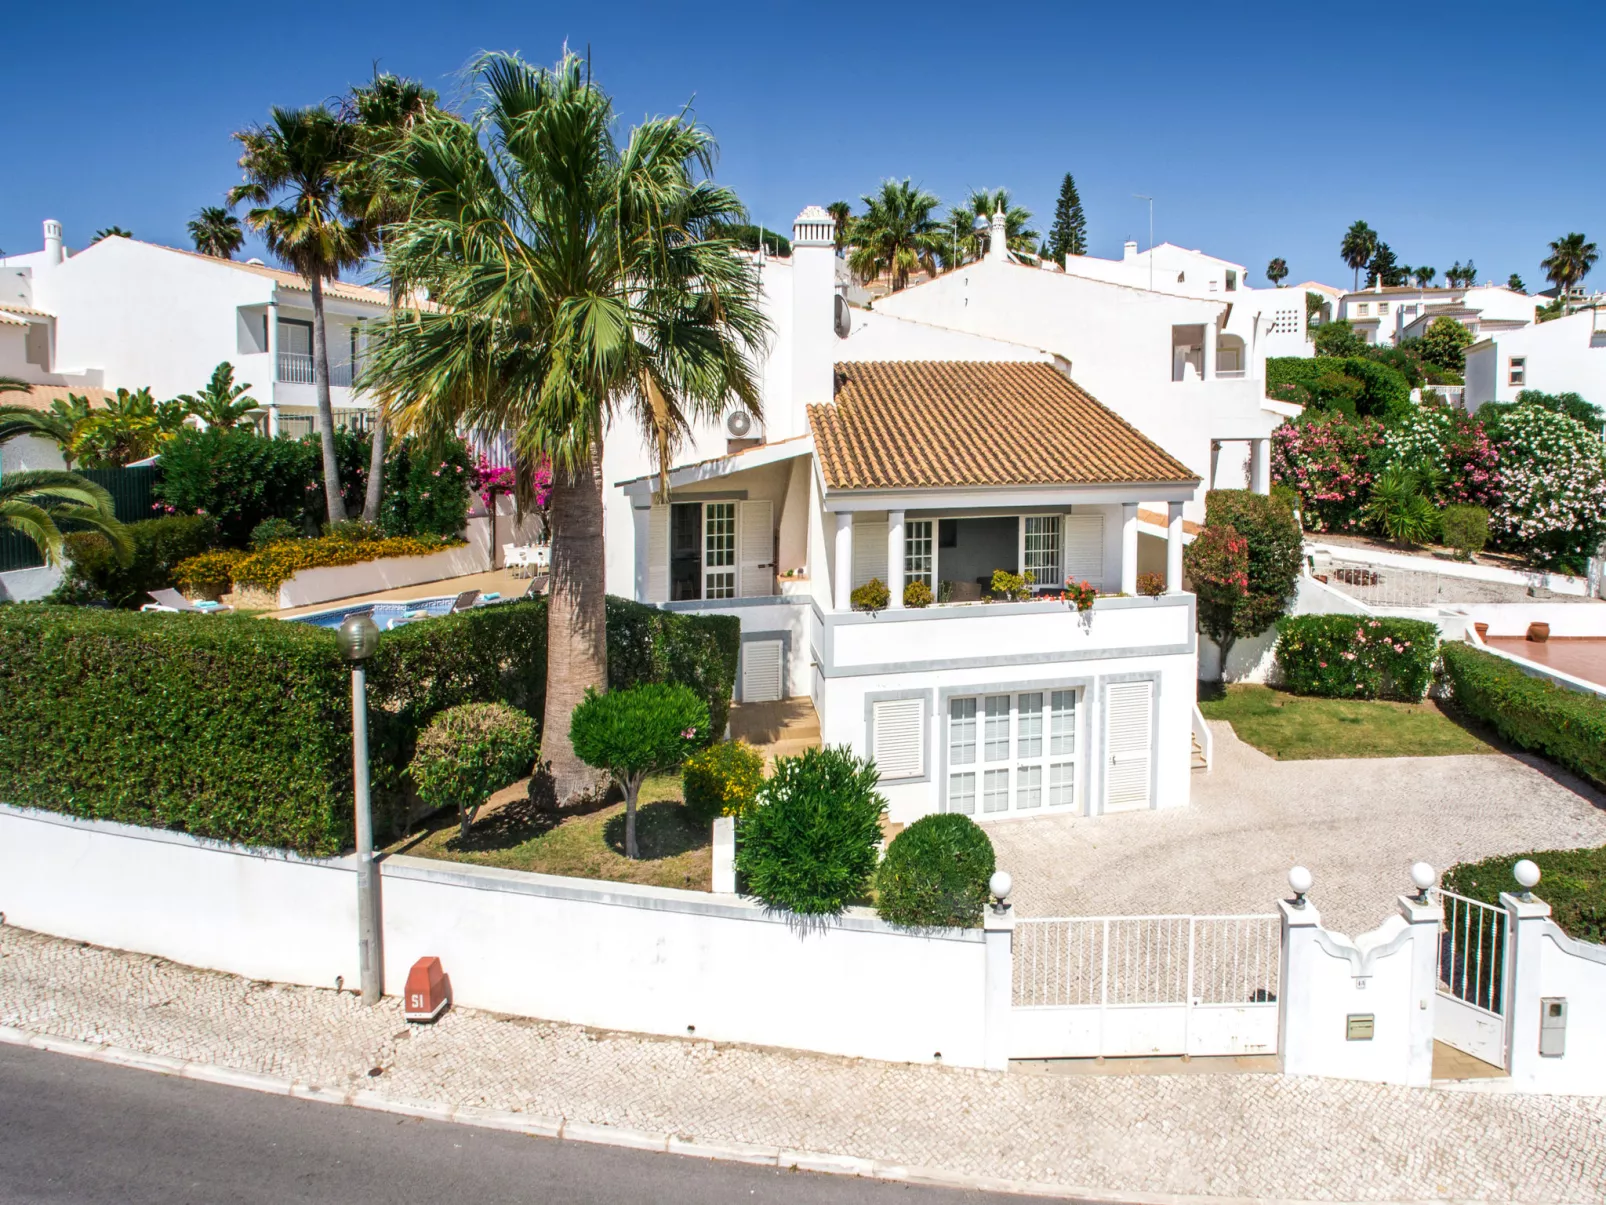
(358, 638)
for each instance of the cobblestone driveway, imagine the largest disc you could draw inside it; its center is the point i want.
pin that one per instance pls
(1357, 824)
(1261, 1136)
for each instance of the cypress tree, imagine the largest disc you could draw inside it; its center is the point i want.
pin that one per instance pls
(1069, 234)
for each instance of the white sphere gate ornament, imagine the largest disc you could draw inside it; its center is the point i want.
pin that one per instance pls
(1300, 880)
(1424, 877)
(1527, 876)
(999, 887)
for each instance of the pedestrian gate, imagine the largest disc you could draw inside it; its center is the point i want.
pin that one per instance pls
(1095, 986)
(1471, 1012)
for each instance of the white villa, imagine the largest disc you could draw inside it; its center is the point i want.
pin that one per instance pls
(125, 313)
(998, 417)
(1560, 356)
(1387, 315)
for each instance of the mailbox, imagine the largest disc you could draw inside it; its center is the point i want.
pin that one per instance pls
(1358, 1027)
(1552, 1026)
(429, 991)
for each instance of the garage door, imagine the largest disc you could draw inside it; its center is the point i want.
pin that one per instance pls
(761, 671)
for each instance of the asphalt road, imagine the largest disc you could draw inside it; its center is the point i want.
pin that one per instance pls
(77, 1131)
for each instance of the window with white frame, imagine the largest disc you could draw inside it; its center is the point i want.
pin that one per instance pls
(1519, 370)
(919, 551)
(1013, 753)
(1363, 309)
(1382, 307)
(1041, 549)
(719, 550)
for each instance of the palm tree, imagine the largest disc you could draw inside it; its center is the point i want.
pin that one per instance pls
(1277, 271)
(578, 282)
(299, 156)
(1018, 235)
(222, 403)
(896, 234)
(1424, 277)
(111, 232)
(382, 112)
(60, 424)
(130, 426)
(1360, 242)
(842, 214)
(216, 232)
(39, 502)
(1571, 257)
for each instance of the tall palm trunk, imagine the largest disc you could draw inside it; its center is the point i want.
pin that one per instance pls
(376, 450)
(577, 637)
(332, 495)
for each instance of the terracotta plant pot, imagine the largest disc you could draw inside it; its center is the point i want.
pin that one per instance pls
(1539, 632)
(1483, 631)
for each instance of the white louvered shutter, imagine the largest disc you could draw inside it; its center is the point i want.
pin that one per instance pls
(761, 671)
(896, 737)
(869, 551)
(757, 548)
(1129, 727)
(1084, 549)
(658, 554)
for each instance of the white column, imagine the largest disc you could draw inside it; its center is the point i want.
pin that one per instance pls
(1298, 1042)
(1212, 332)
(895, 557)
(641, 518)
(1526, 921)
(725, 856)
(1425, 920)
(842, 570)
(273, 346)
(1173, 549)
(1129, 548)
(1260, 466)
(998, 932)
(273, 422)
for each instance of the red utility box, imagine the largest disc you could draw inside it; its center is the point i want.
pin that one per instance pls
(429, 991)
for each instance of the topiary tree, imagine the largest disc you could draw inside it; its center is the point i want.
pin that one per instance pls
(935, 873)
(1272, 548)
(632, 733)
(722, 780)
(808, 845)
(467, 753)
(1444, 344)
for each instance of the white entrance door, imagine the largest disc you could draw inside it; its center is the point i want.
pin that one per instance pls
(761, 671)
(1129, 744)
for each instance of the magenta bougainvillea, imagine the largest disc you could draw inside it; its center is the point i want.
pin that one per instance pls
(492, 479)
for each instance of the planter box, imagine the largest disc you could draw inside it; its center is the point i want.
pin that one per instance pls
(329, 582)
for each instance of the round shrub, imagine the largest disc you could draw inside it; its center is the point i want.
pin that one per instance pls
(872, 596)
(722, 780)
(917, 594)
(467, 753)
(209, 575)
(1465, 528)
(274, 531)
(935, 874)
(808, 844)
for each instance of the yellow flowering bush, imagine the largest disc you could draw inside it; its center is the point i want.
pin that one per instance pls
(278, 563)
(722, 779)
(209, 574)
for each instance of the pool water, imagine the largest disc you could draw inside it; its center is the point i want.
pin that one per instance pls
(383, 613)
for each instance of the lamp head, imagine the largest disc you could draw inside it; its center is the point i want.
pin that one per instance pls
(999, 887)
(1423, 877)
(1300, 880)
(1527, 876)
(358, 637)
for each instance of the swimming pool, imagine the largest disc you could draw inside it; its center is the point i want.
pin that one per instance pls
(384, 614)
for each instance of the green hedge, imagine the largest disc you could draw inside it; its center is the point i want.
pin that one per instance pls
(240, 729)
(935, 874)
(1571, 881)
(1351, 384)
(1566, 726)
(1357, 656)
(160, 546)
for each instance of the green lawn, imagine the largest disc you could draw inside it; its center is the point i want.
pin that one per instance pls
(581, 843)
(1296, 728)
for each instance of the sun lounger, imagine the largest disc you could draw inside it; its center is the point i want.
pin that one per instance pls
(175, 603)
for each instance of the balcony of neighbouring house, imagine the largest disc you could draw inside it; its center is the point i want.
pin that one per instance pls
(295, 368)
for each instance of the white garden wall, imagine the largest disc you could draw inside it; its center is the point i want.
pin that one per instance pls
(613, 955)
(327, 583)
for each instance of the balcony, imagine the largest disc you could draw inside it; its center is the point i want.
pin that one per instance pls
(295, 368)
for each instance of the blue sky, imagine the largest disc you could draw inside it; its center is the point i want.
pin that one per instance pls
(1261, 129)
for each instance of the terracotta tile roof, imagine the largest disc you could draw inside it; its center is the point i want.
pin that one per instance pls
(947, 424)
(39, 397)
(1160, 519)
(13, 307)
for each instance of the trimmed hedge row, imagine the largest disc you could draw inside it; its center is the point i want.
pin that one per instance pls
(1566, 726)
(1357, 656)
(240, 729)
(1572, 882)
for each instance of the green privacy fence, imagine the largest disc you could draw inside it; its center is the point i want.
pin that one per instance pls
(133, 493)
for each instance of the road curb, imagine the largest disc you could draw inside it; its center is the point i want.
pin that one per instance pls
(563, 1130)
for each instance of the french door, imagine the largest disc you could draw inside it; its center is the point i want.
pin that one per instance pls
(1014, 754)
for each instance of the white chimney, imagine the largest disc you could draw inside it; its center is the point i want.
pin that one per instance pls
(52, 241)
(1129, 249)
(814, 335)
(998, 239)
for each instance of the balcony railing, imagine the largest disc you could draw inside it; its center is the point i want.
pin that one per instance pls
(1230, 374)
(295, 368)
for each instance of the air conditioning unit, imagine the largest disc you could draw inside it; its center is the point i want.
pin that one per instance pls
(739, 424)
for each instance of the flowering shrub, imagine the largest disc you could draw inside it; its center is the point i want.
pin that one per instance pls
(1449, 451)
(722, 780)
(1356, 657)
(872, 596)
(1080, 595)
(1552, 506)
(209, 574)
(1329, 460)
(278, 563)
(426, 488)
(1151, 585)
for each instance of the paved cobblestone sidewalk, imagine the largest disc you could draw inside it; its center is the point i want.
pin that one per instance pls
(1215, 1135)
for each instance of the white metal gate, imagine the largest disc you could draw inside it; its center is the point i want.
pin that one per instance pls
(1090, 986)
(1472, 957)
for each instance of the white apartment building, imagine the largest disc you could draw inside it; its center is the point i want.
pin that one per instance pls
(127, 313)
(1387, 315)
(1564, 355)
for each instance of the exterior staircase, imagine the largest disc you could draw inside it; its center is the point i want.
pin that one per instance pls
(782, 729)
(1196, 757)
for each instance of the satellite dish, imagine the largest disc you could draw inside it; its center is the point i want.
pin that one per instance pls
(738, 423)
(843, 317)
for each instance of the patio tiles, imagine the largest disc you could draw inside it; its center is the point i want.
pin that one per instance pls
(1581, 656)
(1357, 824)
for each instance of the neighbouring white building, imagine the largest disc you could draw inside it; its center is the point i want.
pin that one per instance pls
(126, 313)
(998, 417)
(1387, 315)
(1564, 355)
